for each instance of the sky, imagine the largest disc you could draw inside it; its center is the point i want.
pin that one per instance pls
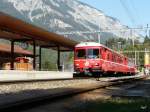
(133, 13)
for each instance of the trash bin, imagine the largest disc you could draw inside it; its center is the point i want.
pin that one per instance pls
(60, 68)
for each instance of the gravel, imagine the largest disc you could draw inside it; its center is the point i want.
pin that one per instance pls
(17, 87)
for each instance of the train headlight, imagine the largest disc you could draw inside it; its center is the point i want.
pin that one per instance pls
(86, 64)
(96, 64)
(77, 64)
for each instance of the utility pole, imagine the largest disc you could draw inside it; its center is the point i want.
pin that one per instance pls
(135, 58)
(99, 37)
(98, 34)
(132, 37)
(147, 31)
(119, 46)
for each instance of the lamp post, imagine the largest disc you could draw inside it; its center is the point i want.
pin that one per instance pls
(99, 28)
(99, 37)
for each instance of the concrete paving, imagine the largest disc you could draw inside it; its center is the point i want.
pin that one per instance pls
(18, 75)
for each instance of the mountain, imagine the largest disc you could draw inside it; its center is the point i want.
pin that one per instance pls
(63, 16)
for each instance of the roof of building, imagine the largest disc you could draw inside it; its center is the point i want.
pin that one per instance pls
(17, 49)
(13, 28)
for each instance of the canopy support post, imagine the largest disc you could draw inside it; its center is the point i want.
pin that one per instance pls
(34, 54)
(12, 55)
(40, 58)
(58, 58)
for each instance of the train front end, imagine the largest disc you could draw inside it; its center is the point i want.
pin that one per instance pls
(87, 58)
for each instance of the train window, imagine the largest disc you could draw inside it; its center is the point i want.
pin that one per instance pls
(103, 53)
(113, 57)
(108, 57)
(93, 53)
(124, 60)
(81, 54)
(100, 53)
(118, 59)
(121, 60)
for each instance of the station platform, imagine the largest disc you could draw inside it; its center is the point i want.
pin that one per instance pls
(18, 75)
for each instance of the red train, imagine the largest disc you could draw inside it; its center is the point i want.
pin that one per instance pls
(95, 58)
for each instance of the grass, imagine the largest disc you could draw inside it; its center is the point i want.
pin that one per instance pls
(115, 105)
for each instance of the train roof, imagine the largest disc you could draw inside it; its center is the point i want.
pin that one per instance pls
(86, 44)
(147, 65)
(91, 44)
(94, 44)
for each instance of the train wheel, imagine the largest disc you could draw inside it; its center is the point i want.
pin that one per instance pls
(78, 74)
(97, 75)
(88, 74)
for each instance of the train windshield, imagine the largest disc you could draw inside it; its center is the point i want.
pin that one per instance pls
(81, 53)
(87, 53)
(92, 53)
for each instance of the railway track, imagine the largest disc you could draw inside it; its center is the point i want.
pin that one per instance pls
(37, 97)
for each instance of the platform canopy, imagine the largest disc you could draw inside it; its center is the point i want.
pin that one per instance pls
(5, 48)
(12, 28)
(15, 30)
(5, 53)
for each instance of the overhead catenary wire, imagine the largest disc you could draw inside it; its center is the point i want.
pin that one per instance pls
(104, 30)
(136, 12)
(129, 14)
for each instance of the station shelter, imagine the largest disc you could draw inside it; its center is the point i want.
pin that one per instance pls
(23, 58)
(16, 30)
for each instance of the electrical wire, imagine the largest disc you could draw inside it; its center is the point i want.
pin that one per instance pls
(132, 4)
(129, 14)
